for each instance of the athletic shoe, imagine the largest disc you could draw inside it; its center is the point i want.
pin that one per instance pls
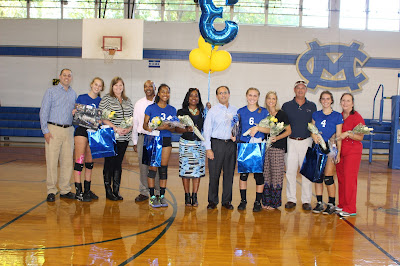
(91, 195)
(69, 195)
(337, 209)
(319, 208)
(346, 214)
(330, 208)
(153, 202)
(242, 205)
(163, 202)
(257, 206)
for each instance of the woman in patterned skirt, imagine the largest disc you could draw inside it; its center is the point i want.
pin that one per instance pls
(191, 153)
(274, 165)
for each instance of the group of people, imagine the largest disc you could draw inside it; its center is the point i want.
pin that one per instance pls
(219, 146)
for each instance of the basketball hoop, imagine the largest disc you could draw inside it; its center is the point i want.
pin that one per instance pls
(109, 53)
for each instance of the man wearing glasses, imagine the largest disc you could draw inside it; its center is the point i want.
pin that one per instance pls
(220, 149)
(299, 111)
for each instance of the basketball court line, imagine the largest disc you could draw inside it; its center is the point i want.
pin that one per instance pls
(364, 235)
(169, 222)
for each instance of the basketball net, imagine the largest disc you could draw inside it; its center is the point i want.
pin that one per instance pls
(109, 53)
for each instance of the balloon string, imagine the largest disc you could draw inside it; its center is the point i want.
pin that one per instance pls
(209, 78)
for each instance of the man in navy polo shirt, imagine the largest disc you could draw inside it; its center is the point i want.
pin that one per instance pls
(299, 111)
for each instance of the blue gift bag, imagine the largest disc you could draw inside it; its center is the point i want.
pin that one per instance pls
(152, 148)
(251, 157)
(314, 164)
(102, 143)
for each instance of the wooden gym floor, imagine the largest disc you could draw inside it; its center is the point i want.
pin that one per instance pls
(68, 232)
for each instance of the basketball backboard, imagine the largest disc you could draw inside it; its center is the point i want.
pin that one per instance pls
(124, 34)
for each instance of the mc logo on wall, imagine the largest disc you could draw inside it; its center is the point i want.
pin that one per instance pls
(333, 66)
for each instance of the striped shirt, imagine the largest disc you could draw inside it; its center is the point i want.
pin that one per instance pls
(57, 106)
(122, 110)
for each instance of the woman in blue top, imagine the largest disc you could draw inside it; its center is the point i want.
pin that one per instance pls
(329, 124)
(250, 116)
(83, 154)
(162, 109)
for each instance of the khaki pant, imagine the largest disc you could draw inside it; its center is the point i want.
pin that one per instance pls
(296, 152)
(60, 149)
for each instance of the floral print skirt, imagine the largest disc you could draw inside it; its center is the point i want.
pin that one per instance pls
(274, 170)
(192, 159)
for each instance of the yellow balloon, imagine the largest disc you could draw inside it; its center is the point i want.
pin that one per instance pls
(199, 60)
(220, 60)
(206, 47)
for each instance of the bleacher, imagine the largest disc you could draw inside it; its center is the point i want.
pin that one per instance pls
(24, 122)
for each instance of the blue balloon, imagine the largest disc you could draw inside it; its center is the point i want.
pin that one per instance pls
(231, 2)
(209, 12)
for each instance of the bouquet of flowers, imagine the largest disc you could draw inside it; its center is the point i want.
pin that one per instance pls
(126, 123)
(275, 128)
(314, 130)
(362, 129)
(107, 114)
(173, 121)
(187, 121)
(155, 122)
(333, 151)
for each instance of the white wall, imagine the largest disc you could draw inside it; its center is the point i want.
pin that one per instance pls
(23, 80)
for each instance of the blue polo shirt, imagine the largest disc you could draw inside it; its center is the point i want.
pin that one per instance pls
(299, 117)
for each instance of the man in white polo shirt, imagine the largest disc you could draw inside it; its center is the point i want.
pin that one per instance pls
(138, 137)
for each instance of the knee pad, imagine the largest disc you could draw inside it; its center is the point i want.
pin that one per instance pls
(78, 167)
(89, 165)
(152, 174)
(329, 180)
(259, 178)
(162, 171)
(244, 176)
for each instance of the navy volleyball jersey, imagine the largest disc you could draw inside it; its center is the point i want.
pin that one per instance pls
(154, 110)
(326, 124)
(87, 100)
(250, 119)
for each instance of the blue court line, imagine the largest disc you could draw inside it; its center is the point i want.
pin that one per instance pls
(22, 181)
(8, 162)
(365, 236)
(372, 242)
(170, 222)
(21, 215)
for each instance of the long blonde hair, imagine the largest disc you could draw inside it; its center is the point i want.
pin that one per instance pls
(277, 107)
(255, 89)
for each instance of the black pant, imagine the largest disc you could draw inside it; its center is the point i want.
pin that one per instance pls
(224, 159)
(114, 163)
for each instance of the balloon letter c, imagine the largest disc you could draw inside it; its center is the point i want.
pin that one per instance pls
(209, 12)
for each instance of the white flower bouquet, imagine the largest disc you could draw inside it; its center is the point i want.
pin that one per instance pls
(126, 123)
(187, 121)
(107, 114)
(314, 130)
(362, 129)
(155, 122)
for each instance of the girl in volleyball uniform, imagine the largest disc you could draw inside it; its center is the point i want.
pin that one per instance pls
(329, 123)
(250, 116)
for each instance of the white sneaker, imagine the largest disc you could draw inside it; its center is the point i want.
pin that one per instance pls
(346, 214)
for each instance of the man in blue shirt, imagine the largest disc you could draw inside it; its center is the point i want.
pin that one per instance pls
(220, 149)
(56, 124)
(299, 111)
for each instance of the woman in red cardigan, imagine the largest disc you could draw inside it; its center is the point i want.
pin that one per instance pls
(350, 157)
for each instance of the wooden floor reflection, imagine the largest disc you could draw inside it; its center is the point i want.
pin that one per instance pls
(68, 232)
